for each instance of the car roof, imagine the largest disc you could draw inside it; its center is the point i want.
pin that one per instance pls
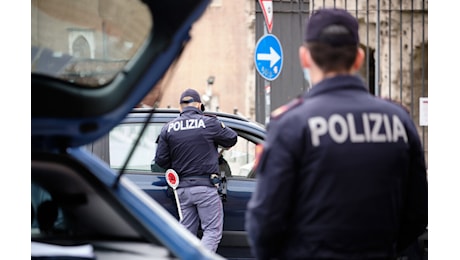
(164, 115)
(76, 99)
(175, 112)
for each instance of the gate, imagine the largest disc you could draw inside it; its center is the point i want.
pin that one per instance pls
(393, 35)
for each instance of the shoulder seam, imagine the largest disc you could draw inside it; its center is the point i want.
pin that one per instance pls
(283, 109)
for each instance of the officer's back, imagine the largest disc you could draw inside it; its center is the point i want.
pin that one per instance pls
(342, 173)
(193, 138)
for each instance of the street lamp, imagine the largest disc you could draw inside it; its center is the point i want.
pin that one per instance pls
(207, 97)
(211, 80)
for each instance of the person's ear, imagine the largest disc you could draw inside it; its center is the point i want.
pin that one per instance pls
(360, 55)
(304, 56)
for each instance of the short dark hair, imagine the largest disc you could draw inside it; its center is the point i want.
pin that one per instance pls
(330, 58)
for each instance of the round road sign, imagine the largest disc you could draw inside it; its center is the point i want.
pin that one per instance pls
(268, 57)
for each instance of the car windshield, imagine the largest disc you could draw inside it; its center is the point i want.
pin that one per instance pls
(86, 42)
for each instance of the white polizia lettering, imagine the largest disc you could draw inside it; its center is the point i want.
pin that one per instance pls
(186, 125)
(376, 128)
(338, 128)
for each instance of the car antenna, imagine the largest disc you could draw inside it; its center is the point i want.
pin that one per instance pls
(168, 79)
(133, 148)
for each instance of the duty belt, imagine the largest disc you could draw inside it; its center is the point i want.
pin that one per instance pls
(189, 181)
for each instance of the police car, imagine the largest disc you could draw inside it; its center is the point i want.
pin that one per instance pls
(92, 62)
(136, 135)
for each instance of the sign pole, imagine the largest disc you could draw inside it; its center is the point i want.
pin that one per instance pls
(268, 55)
(267, 10)
(267, 85)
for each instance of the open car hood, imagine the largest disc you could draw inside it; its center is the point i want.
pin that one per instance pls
(93, 61)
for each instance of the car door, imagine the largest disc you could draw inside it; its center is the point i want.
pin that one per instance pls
(141, 169)
(92, 62)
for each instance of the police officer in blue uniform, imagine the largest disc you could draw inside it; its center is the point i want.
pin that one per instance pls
(188, 145)
(342, 174)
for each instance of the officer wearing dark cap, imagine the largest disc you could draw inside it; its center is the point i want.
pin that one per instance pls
(342, 174)
(188, 145)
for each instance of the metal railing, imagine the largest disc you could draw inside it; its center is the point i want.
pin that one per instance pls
(394, 37)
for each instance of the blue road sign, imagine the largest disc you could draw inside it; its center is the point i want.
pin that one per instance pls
(268, 57)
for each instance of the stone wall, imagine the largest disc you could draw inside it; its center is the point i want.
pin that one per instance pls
(222, 44)
(400, 48)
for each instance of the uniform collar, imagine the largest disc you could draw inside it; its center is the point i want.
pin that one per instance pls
(191, 110)
(337, 83)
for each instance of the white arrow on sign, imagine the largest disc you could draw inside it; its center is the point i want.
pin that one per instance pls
(273, 57)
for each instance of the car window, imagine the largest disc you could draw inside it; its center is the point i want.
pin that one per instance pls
(240, 157)
(122, 139)
(86, 42)
(46, 215)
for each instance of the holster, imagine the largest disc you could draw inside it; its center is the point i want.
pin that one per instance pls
(220, 183)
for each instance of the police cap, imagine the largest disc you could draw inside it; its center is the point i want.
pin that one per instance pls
(333, 26)
(189, 95)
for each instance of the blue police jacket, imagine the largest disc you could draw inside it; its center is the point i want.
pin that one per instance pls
(342, 176)
(188, 144)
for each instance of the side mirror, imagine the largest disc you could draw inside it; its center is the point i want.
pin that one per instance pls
(155, 168)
